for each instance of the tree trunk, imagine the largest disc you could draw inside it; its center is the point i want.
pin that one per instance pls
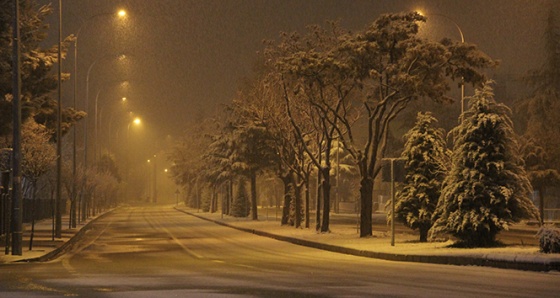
(254, 196)
(541, 205)
(33, 208)
(85, 207)
(212, 199)
(326, 199)
(424, 232)
(319, 198)
(307, 202)
(366, 194)
(230, 196)
(287, 199)
(73, 212)
(297, 201)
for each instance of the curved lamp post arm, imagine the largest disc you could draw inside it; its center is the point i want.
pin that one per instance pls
(462, 41)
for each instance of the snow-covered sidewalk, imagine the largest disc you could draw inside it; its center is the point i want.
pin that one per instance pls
(344, 238)
(44, 246)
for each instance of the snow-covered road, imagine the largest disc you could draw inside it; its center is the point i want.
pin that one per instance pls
(160, 252)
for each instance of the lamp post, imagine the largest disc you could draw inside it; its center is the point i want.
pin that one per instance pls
(148, 181)
(155, 179)
(391, 161)
(135, 121)
(121, 14)
(17, 193)
(462, 41)
(124, 101)
(97, 116)
(87, 104)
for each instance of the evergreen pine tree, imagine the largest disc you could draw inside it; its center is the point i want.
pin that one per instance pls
(487, 188)
(240, 206)
(426, 156)
(205, 199)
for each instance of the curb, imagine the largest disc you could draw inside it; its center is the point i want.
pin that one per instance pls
(57, 252)
(443, 260)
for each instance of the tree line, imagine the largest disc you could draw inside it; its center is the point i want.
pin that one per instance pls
(332, 86)
(39, 119)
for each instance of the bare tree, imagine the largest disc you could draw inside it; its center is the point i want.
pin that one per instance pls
(356, 82)
(38, 156)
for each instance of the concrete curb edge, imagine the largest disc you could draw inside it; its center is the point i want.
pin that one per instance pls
(57, 252)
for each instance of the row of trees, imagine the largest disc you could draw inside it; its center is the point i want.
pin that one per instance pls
(39, 111)
(332, 85)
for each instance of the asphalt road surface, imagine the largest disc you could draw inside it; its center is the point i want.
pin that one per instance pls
(160, 252)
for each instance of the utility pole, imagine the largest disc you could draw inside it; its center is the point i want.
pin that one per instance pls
(58, 204)
(155, 179)
(17, 194)
(392, 162)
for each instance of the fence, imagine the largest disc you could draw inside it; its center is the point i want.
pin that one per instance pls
(551, 215)
(4, 213)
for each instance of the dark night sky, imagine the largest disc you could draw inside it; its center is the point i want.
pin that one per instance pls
(186, 57)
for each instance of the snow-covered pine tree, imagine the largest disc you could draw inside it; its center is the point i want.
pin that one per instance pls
(487, 187)
(426, 156)
(240, 206)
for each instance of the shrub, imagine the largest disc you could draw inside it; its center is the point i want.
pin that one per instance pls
(549, 239)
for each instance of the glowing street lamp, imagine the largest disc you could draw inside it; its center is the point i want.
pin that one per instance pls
(97, 118)
(120, 58)
(462, 41)
(121, 14)
(136, 121)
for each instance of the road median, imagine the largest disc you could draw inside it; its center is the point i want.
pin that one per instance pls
(519, 257)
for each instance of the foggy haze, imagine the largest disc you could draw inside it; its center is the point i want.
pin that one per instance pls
(186, 58)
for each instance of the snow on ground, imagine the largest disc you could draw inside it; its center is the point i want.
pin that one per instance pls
(346, 235)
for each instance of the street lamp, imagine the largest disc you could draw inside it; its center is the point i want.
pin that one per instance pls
(110, 143)
(97, 116)
(155, 179)
(120, 57)
(462, 41)
(148, 182)
(136, 121)
(121, 14)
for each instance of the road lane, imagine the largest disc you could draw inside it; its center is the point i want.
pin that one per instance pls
(158, 252)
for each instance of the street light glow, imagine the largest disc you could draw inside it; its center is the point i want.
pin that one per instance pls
(122, 13)
(137, 121)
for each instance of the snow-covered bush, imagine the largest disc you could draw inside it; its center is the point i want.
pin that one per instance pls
(549, 239)
(426, 155)
(487, 188)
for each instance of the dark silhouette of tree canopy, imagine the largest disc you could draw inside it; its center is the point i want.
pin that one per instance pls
(540, 113)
